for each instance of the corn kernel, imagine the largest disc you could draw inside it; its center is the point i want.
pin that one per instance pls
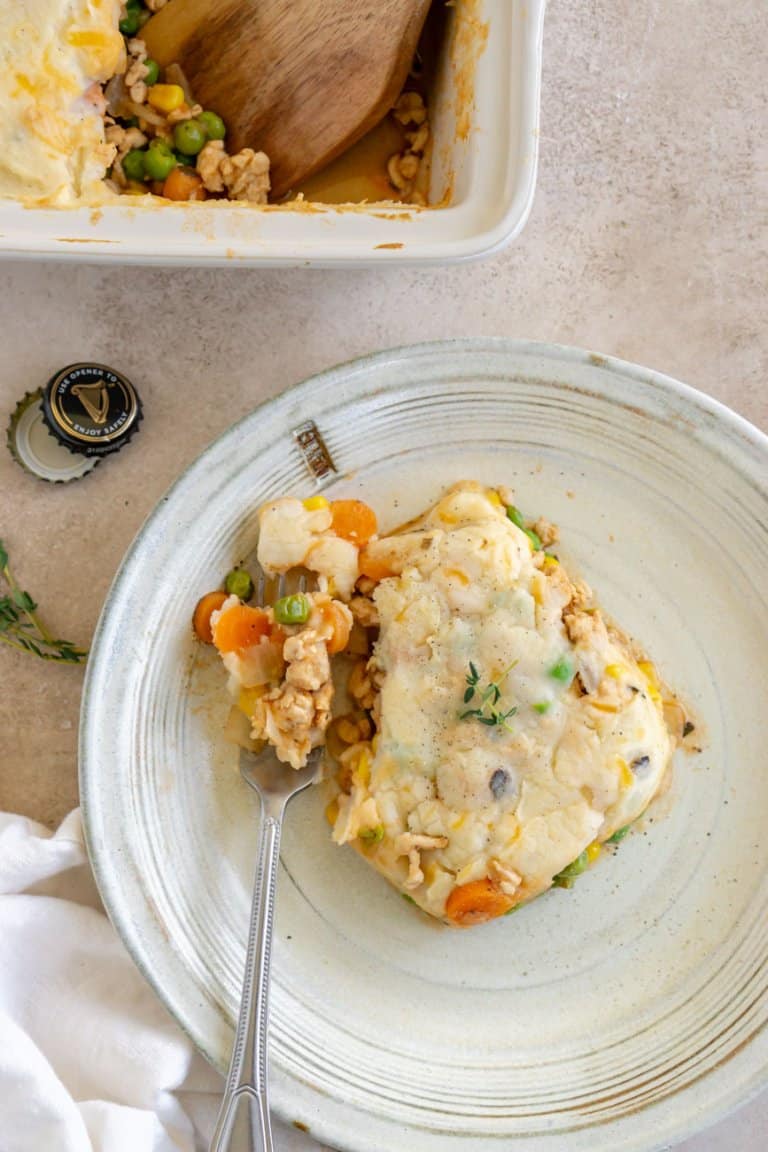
(494, 498)
(332, 812)
(626, 778)
(246, 700)
(614, 671)
(550, 562)
(363, 769)
(593, 851)
(165, 97)
(652, 679)
(312, 503)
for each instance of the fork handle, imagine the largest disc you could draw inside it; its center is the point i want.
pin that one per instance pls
(243, 1123)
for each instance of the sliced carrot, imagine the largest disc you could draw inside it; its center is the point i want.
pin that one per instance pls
(339, 621)
(201, 620)
(353, 520)
(240, 627)
(183, 184)
(374, 567)
(476, 902)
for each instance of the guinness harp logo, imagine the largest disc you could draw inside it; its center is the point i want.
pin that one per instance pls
(91, 408)
(94, 398)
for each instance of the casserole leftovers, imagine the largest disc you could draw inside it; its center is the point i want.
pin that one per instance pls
(88, 115)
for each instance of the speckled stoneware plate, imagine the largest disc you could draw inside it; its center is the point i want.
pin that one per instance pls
(619, 1016)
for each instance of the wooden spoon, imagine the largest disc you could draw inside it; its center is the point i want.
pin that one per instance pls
(301, 80)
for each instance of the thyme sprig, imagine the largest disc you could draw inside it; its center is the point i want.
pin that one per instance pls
(489, 696)
(21, 627)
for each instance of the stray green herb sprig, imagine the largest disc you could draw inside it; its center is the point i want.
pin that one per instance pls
(21, 628)
(490, 695)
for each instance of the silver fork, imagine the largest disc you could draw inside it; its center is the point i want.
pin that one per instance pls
(243, 1123)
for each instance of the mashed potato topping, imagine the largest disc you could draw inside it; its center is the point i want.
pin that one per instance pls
(501, 731)
(55, 54)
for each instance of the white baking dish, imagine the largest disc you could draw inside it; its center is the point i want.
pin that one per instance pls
(491, 169)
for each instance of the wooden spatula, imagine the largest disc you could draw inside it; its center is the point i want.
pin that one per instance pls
(300, 79)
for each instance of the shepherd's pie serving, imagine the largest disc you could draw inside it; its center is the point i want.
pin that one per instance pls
(497, 730)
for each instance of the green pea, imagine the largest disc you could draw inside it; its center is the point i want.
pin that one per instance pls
(144, 15)
(542, 707)
(133, 164)
(153, 73)
(159, 161)
(579, 865)
(619, 835)
(213, 125)
(562, 670)
(239, 583)
(516, 516)
(293, 609)
(565, 878)
(130, 23)
(372, 835)
(189, 137)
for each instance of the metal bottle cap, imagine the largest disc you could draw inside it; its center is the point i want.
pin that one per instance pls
(91, 409)
(60, 432)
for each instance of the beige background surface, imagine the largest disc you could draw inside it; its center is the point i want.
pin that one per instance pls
(647, 240)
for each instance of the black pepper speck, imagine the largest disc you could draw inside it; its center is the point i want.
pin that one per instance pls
(498, 783)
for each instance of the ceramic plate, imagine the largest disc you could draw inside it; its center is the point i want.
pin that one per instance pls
(619, 1016)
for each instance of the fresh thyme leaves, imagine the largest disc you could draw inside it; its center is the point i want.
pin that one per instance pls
(473, 679)
(21, 628)
(489, 696)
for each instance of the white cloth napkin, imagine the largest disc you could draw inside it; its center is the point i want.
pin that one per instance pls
(90, 1061)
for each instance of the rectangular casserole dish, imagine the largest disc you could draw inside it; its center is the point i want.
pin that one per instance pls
(484, 113)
